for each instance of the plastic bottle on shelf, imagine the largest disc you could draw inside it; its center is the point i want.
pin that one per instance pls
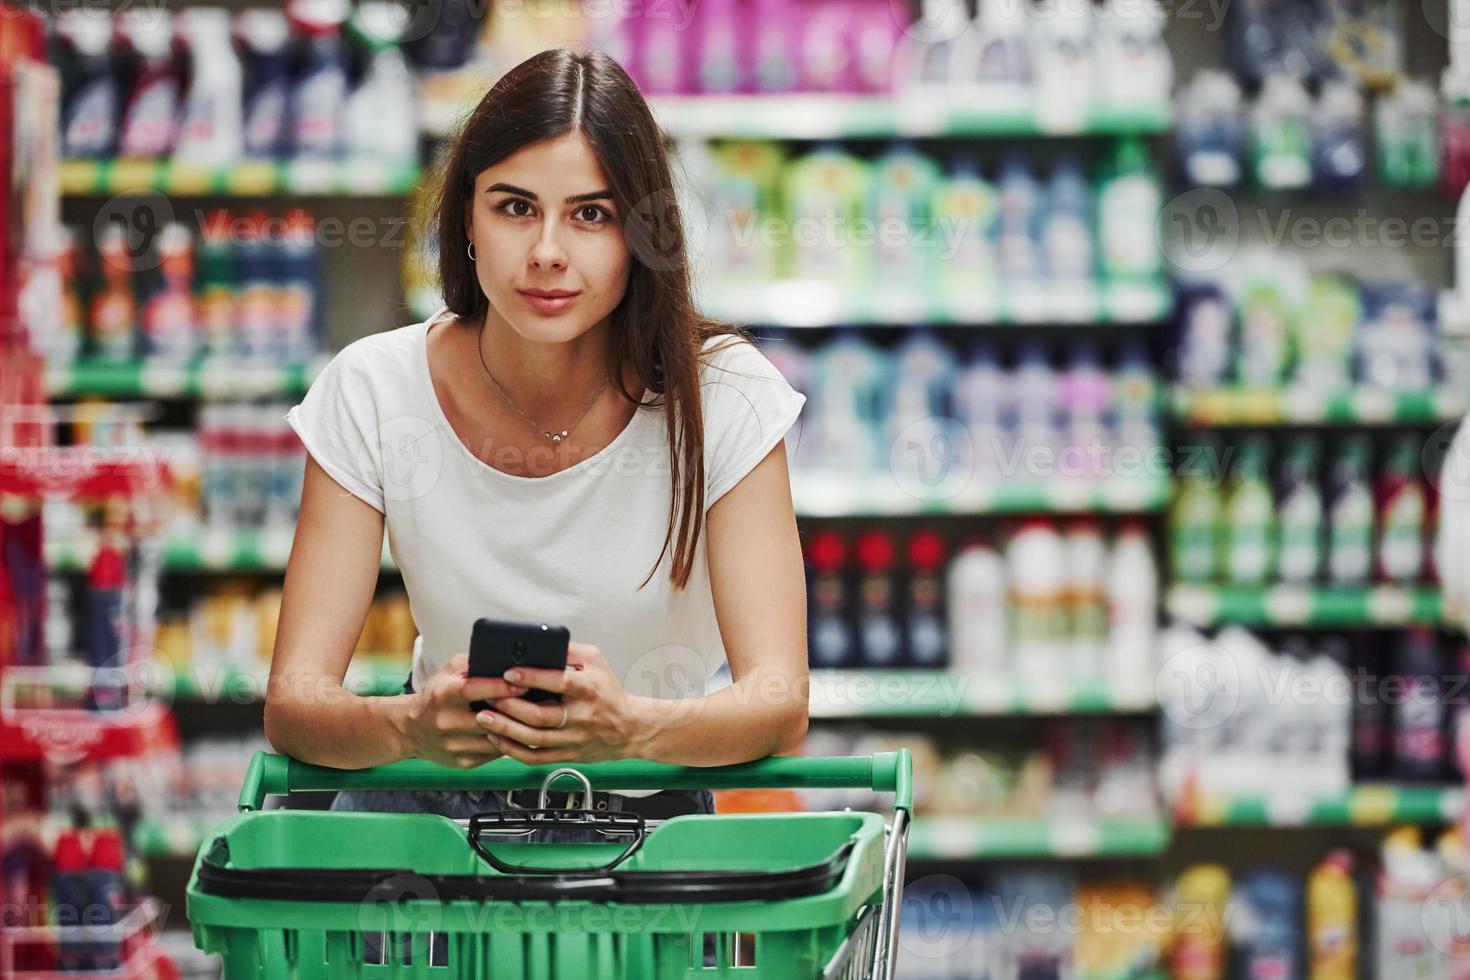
(263, 36)
(1332, 919)
(211, 131)
(1265, 939)
(1324, 334)
(976, 601)
(1350, 515)
(89, 112)
(1196, 519)
(879, 633)
(1300, 514)
(1405, 884)
(1036, 580)
(1418, 714)
(1201, 900)
(1249, 519)
(1061, 36)
(1128, 205)
(719, 53)
(832, 638)
(1018, 226)
(1401, 507)
(965, 211)
(1406, 122)
(900, 191)
(299, 285)
(107, 896)
(1066, 231)
(776, 45)
(113, 312)
(1339, 143)
(1134, 65)
(318, 105)
(1086, 599)
(1133, 602)
(825, 186)
(1209, 136)
(70, 898)
(170, 315)
(150, 116)
(1281, 134)
(927, 639)
(1002, 73)
(1263, 354)
(381, 123)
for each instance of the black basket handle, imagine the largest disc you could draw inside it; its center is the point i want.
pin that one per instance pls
(528, 821)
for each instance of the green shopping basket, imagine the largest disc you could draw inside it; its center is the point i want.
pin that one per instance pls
(296, 893)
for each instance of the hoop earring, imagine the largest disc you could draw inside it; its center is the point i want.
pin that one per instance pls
(470, 251)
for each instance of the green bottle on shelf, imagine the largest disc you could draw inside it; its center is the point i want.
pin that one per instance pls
(1194, 520)
(1350, 516)
(1299, 512)
(1249, 534)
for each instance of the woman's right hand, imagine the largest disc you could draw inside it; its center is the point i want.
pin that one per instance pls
(441, 726)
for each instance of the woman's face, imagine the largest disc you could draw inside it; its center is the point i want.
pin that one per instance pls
(549, 248)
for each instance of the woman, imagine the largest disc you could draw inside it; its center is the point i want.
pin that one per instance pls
(518, 476)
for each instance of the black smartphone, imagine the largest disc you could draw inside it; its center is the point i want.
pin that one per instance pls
(497, 645)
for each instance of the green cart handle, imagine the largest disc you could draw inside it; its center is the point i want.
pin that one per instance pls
(883, 772)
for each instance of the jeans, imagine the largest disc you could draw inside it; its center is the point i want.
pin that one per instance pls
(463, 804)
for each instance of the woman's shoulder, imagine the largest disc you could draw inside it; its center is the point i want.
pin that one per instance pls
(733, 359)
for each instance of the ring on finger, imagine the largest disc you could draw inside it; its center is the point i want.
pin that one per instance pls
(564, 714)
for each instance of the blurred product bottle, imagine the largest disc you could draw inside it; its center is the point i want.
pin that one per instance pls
(1339, 142)
(1350, 516)
(211, 131)
(1402, 516)
(1036, 580)
(170, 314)
(1406, 122)
(879, 631)
(1281, 134)
(1086, 600)
(1405, 909)
(1209, 134)
(107, 888)
(1325, 332)
(1418, 710)
(902, 186)
(263, 36)
(70, 898)
(965, 212)
(1201, 897)
(318, 106)
(1133, 602)
(113, 312)
(1266, 933)
(1300, 514)
(1332, 919)
(1128, 205)
(1196, 520)
(927, 639)
(150, 116)
(90, 97)
(976, 600)
(1264, 351)
(1204, 359)
(381, 123)
(1249, 534)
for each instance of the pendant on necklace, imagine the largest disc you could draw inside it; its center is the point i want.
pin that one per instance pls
(557, 438)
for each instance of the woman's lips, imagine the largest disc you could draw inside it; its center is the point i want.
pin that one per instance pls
(548, 304)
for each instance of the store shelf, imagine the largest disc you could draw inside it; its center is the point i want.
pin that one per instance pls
(960, 838)
(1302, 406)
(247, 550)
(176, 835)
(823, 494)
(1362, 806)
(212, 378)
(1290, 605)
(808, 303)
(823, 116)
(254, 178)
(949, 694)
(214, 683)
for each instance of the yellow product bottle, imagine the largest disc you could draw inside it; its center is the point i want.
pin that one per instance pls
(1332, 919)
(1199, 923)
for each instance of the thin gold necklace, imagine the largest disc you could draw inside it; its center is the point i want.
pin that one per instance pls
(555, 437)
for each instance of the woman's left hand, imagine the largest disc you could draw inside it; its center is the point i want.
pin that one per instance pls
(602, 719)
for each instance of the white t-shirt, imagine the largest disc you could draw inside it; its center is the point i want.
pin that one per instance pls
(567, 549)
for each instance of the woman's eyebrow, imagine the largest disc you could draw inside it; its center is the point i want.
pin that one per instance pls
(602, 195)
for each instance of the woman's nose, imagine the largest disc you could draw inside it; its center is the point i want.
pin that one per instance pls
(547, 252)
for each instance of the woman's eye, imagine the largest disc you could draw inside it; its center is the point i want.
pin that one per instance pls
(509, 208)
(594, 213)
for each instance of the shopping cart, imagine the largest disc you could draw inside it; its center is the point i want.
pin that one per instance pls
(296, 893)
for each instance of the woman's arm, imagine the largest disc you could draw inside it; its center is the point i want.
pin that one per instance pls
(309, 715)
(759, 591)
(330, 580)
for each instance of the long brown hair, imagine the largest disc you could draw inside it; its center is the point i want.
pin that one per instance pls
(656, 326)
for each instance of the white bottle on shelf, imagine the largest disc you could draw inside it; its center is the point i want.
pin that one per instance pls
(976, 599)
(1133, 602)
